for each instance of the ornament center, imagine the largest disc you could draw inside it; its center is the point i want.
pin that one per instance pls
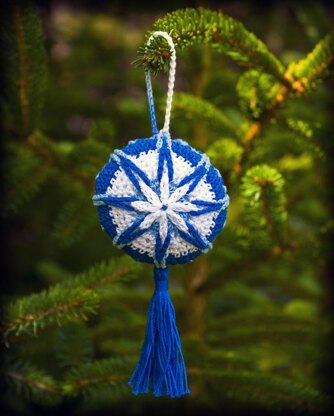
(164, 207)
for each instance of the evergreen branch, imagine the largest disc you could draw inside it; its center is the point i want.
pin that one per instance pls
(268, 390)
(256, 318)
(263, 334)
(24, 66)
(73, 345)
(305, 134)
(305, 74)
(154, 57)
(30, 165)
(51, 271)
(257, 91)
(75, 218)
(225, 153)
(265, 116)
(72, 299)
(302, 77)
(55, 155)
(201, 26)
(238, 270)
(199, 108)
(220, 358)
(300, 126)
(262, 193)
(32, 383)
(114, 271)
(193, 26)
(25, 174)
(107, 376)
(58, 305)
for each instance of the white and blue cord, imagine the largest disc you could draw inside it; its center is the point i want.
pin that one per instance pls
(171, 82)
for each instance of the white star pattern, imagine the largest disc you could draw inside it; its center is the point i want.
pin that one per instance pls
(161, 203)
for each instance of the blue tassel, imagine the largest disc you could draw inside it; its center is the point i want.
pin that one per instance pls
(161, 367)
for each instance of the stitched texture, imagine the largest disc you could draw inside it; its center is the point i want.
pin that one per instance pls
(161, 200)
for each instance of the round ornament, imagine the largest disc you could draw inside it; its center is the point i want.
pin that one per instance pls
(161, 200)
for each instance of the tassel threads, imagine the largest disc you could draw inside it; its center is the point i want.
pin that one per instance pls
(161, 366)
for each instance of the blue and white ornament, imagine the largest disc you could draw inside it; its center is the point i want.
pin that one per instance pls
(163, 203)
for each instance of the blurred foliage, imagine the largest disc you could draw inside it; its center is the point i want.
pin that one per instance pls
(251, 312)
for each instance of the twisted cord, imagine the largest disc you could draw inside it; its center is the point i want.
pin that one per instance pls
(171, 78)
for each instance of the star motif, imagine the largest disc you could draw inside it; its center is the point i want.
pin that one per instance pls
(162, 202)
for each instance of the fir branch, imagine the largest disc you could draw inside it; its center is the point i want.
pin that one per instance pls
(300, 126)
(265, 116)
(262, 193)
(25, 174)
(58, 305)
(201, 26)
(154, 57)
(72, 299)
(270, 391)
(51, 271)
(242, 337)
(73, 345)
(107, 376)
(305, 135)
(74, 220)
(31, 164)
(257, 91)
(228, 360)
(225, 153)
(199, 108)
(114, 271)
(252, 260)
(252, 318)
(302, 77)
(24, 66)
(193, 26)
(58, 157)
(308, 72)
(31, 383)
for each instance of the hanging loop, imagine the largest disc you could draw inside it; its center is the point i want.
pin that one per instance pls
(171, 81)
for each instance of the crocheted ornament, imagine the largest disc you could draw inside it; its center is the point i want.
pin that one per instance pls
(163, 203)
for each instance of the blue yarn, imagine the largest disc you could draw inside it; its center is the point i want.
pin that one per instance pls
(120, 202)
(127, 234)
(129, 167)
(196, 176)
(151, 102)
(210, 206)
(195, 234)
(161, 367)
